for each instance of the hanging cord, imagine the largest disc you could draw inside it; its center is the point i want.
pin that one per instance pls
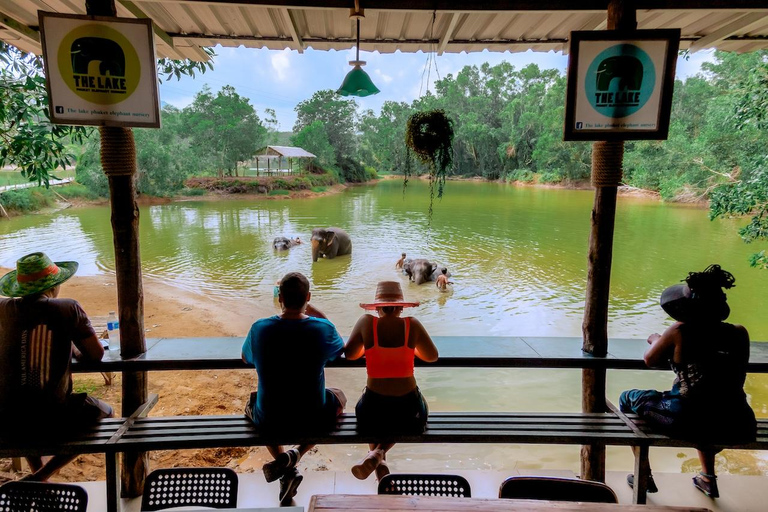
(357, 48)
(424, 86)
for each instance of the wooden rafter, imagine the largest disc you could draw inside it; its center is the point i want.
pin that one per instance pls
(448, 33)
(136, 11)
(293, 29)
(24, 30)
(745, 23)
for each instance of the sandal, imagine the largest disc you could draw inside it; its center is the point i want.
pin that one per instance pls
(368, 464)
(278, 467)
(651, 484)
(708, 487)
(382, 470)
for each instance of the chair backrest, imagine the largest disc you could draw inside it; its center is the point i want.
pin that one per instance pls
(42, 497)
(425, 485)
(556, 489)
(181, 487)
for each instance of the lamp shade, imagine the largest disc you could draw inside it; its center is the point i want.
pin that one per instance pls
(357, 83)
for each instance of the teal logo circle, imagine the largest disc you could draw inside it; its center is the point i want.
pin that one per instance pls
(620, 80)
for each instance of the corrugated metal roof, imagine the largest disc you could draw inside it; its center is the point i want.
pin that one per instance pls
(289, 152)
(183, 26)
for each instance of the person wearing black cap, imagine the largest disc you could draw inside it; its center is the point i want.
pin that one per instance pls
(707, 403)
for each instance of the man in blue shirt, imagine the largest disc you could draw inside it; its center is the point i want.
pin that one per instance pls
(290, 352)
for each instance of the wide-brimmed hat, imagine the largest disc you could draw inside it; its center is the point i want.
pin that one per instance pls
(679, 302)
(388, 293)
(34, 274)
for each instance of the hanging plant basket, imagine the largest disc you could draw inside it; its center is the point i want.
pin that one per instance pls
(429, 135)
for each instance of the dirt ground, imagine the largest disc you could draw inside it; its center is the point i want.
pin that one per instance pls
(169, 312)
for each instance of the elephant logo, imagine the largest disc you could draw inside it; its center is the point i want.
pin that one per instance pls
(628, 69)
(99, 64)
(108, 54)
(620, 80)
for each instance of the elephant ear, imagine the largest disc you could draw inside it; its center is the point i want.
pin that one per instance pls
(329, 236)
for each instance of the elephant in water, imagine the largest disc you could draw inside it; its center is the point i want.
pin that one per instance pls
(420, 270)
(281, 243)
(330, 242)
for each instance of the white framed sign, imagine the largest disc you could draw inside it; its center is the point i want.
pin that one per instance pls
(620, 84)
(100, 70)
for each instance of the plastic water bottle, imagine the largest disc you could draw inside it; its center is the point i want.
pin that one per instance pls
(113, 329)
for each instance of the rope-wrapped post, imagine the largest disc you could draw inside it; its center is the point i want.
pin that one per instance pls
(607, 160)
(118, 159)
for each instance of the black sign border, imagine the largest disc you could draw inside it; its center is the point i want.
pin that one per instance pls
(670, 36)
(101, 122)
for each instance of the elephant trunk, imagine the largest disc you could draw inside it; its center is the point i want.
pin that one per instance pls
(315, 250)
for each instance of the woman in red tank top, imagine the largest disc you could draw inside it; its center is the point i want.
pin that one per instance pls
(391, 400)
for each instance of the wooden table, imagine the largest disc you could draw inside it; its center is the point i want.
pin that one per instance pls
(375, 503)
(455, 352)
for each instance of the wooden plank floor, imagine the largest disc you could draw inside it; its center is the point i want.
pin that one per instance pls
(739, 493)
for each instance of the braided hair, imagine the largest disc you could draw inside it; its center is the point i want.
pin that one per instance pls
(709, 284)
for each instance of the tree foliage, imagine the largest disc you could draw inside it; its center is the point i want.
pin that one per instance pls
(28, 140)
(224, 128)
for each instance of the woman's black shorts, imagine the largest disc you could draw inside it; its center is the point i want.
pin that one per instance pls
(391, 414)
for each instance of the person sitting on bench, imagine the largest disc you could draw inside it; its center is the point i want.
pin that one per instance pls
(39, 334)
(707, 403)
(290, 352)
(391, 401)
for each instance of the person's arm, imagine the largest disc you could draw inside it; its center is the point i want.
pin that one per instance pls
(313, 311)
(84, 339)
(247, 350)
(423, 345)
(355, 347)
(662, 347)
(88, 349)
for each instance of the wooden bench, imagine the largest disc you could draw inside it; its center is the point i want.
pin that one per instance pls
(99, 437)
(647, 437)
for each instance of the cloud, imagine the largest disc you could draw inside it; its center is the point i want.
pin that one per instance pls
(281, 63)
(384, 78)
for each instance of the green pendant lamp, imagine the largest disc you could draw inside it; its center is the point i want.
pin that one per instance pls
(357, 82)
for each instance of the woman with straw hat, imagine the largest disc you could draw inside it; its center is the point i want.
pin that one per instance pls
(707, 403)
(39, 334)
(391, 400)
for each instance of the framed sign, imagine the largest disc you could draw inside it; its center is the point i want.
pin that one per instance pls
(620, 84)
(100, 70)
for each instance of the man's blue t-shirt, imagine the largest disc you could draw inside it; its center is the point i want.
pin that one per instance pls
(290, 358)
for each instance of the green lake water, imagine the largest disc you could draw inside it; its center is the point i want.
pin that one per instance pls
(518, 259)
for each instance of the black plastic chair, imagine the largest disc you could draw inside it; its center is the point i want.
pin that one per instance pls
(182, 487)
(425, 485)
(42, 497)
(556, 489)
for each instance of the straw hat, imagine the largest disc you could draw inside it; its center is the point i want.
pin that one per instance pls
(34, 274)
(388, 293)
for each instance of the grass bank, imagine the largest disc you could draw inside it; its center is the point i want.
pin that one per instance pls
(28, 200)
(268, 186)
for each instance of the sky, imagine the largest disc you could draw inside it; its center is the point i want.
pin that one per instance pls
(282, 79)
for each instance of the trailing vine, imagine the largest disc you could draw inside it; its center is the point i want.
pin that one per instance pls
(429, 135)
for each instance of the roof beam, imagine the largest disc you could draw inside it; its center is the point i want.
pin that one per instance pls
(293, 30)
(745, 23)
(492, 5)
(19, 27)
(136, 11)
(448, 33)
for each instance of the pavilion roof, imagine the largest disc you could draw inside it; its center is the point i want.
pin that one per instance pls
(184, 26)
(286, 151)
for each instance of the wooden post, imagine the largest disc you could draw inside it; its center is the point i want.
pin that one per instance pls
(118, 159)
(607, 159)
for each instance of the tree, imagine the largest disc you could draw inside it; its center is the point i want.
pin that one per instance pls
(30, 141)
(337, 117)
(314, 139)
(224, 128)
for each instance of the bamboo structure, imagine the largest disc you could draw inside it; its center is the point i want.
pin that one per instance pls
(607, 160)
